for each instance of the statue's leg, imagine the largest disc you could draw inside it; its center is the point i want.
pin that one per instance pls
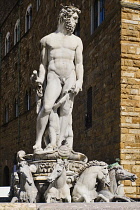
(54, 128)
(66, 108)
(52, 137)
(102, 198)
(69, 133)
(14, 200)
(87, 198)
(52, 92)
(68, 199)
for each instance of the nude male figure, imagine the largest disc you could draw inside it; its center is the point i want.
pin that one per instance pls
(61, 55)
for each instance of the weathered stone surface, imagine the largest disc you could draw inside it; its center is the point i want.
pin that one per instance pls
(100, 206)
(130, 190)
(130, 93)
(72, 206)
(18, 206)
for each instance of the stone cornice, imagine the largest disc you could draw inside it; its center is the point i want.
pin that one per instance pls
(130, 5)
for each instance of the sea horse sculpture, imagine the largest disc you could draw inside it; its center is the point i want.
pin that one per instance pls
(58, 189)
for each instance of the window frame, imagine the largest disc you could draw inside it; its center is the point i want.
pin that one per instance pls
(17, 32)
(97, 14)
(28, 100)
(7, 43)
(37, 4)
(28, 18)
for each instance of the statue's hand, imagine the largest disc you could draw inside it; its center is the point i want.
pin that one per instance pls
(37, 83)
(56, 106)
(35, 79)
(33, 76)
(39, 90)
(78, 86)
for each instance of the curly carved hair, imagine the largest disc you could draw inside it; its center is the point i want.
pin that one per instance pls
(66, 12)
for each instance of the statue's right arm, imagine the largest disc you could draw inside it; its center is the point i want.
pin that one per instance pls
(42, 67)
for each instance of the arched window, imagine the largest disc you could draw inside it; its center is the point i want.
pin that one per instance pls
(28, 18)
(6, 114)
(97, 13)
(17, 32)
(6, 176)
(28, 100)
(7, 43)
(37, 4)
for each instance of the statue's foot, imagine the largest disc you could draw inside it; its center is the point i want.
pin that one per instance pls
(37, 149)
(49, 148)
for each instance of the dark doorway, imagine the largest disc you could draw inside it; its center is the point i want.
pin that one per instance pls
(6, 180)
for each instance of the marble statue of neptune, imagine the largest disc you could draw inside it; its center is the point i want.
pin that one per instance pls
(61, 58)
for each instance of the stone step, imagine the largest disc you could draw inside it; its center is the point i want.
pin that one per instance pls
(70, 206)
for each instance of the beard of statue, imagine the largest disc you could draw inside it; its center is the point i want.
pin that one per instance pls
(70, 29)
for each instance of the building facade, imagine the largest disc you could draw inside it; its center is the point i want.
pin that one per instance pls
(106, 115)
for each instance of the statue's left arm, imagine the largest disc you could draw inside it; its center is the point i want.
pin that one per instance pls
(79, 66)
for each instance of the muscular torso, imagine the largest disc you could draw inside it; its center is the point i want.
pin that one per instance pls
(61, 53)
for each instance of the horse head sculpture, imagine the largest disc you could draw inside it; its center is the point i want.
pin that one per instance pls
(118, 173)
(121, 173)
(115, 191)
(59, 168)
(58, 188)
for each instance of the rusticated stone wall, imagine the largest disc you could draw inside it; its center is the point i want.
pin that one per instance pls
(102, 66)
(6, 7)
(130, 94)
